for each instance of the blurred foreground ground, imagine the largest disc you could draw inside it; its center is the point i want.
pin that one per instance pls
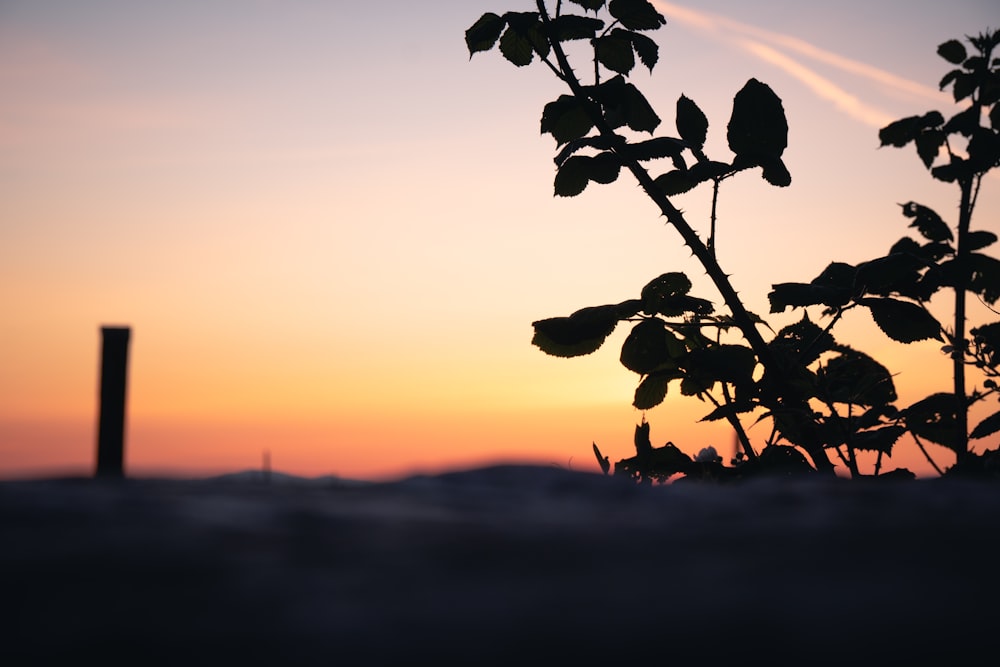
(506, 565)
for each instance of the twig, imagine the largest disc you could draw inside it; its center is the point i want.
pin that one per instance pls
(926, 455)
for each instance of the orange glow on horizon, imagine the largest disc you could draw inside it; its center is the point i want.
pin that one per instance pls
(337, 259)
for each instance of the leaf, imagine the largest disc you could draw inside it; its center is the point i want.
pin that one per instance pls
(668, 460)
(566, 119)
(668, 295)
(989, 91)
(934, 418)
(840, 278)
(614, 51)
(650, 392)
(707, 170)
(953, 51)
(678, 181)
(833, 288)
(603, 168)
(572, 177)
(484, 33)
(647, 50)
(929, 144)
(988, 426)
(722, 363)
(516, 47)
(581, 333)
(572, 147)
(902, 321)
(757, 129)
(636, 14)
(629, 308)
(956, 169)
(975, 63)
(979, 239)
(617, 50)
(666, 285)
(776, 173)
(695, 385)
(570, 26)
(792, 295)
(802, 342)
(984, 150)
(923, 255)
(692, 124)
(900, 132)
(948, 78)
(964, 122)
(574, 174)
(872, 417)
(963, 86)
(650, 347)
(784, 460)
(988, 335)
(675, 182)
(985, 278)
(855, 378)
(652, 149)
(877, 440)
(590, 5)
(978, 274)
(728, 410)
(643, 445)
(602, 460)
(884, 275)
(928, 223)
(659, 463)
(905, 130)
(624, 105)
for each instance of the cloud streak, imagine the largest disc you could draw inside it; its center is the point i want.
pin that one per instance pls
(819, 85)
(776, 49)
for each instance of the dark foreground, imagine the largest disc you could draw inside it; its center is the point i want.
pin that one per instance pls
(504, 565)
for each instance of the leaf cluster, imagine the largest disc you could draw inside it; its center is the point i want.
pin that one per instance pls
(677, 338)
(976, 79)
(757, 131)
(523, 35)
(897, 287)
(817, 393)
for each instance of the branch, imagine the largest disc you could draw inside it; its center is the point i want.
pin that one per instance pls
(926, 455)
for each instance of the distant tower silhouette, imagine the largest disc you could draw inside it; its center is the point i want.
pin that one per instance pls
(111, 424)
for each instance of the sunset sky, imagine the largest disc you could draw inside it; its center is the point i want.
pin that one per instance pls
(330, 230)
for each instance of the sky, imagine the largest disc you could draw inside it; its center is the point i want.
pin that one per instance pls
(330, 230)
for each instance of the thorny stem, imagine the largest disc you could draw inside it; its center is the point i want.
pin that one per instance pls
(700, 250)
(826, 330)
(926, 455)
(851, 460)
(959, 344)
(851, 454)
(734, 421)
(843, 459)
(711, 230)
(829, 327)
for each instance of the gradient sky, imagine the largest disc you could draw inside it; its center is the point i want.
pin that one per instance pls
(330, 231)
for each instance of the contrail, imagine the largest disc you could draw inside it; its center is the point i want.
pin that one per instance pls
(764, 44)
(821, 86)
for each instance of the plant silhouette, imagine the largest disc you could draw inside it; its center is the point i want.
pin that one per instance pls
(817, 394)
(898, 286)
